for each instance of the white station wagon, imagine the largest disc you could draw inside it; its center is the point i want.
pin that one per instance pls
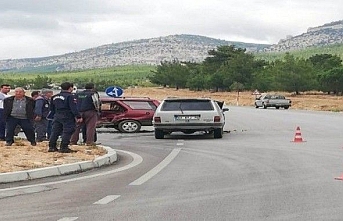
(189, 115)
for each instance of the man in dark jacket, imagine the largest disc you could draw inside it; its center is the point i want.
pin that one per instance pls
(18, 110)
(88, 103)
(64, 113)
(42, 108)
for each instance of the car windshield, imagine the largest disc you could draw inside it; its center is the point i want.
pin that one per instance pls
(187, 105)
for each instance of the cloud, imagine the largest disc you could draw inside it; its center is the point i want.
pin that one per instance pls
(30, 28)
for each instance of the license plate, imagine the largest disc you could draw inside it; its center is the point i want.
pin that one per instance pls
(187, 117)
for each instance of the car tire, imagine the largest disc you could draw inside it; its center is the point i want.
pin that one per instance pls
(218, 133)
(277, 107)
(129, 126)
(159, 134)
(286, 107)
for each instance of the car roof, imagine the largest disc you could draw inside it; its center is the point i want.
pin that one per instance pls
(125, 98)
(187, 98)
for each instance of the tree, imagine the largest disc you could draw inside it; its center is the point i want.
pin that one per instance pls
(323, 63)
(41, 82)
(238, 67)
(171, 73)
(219, 56)
(333, 79)
(295, 74)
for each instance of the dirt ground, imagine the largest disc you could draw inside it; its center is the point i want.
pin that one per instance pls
(22, 156)
(306, 101)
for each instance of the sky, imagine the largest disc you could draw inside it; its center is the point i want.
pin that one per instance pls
(39, 28)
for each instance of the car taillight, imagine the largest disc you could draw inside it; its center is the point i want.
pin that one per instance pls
(216, 118)
(157, 119)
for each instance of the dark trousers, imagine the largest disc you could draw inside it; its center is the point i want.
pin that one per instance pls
(90, 119)
(2, 124)
(49, 128)
(41, 128)
(64, 127)
(84, 134)
(25, 124)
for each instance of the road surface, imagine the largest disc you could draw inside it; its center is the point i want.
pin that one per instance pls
(255, 172)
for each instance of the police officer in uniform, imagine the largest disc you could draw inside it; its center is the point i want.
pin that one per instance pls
(65, 115)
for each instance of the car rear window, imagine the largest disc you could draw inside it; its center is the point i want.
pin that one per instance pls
(185, 105)
(140, 105)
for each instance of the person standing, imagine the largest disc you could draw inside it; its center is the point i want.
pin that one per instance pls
(88, 103)
(42, 108)
(35, 94)
(18, 110)
(4, 90)
(65, 115)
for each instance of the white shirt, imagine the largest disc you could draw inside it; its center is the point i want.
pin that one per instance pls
(2, 98)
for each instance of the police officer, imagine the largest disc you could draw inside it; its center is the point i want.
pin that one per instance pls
(65, 115)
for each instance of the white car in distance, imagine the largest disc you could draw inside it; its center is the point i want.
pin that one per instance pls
(189, 115)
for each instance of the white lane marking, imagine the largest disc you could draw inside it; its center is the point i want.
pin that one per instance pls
(68, 219)
(107, 199)
(179, 143)
(157, 168)
(137, 159)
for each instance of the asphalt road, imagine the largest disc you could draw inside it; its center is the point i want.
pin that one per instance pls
(255, 172)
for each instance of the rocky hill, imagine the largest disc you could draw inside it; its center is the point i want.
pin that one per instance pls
(154, 50)
(328, 34)
(145, 51)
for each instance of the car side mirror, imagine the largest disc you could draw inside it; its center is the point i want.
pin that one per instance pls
(225, 109)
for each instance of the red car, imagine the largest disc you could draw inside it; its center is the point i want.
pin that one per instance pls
(127, 114)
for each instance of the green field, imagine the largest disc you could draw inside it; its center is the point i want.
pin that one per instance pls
(124, 76)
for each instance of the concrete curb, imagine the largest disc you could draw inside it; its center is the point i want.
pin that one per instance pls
(63, 169)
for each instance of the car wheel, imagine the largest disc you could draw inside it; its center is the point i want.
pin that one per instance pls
(277, 107)
(264, 106)
(129, 126)
(159, 134)
(286, 107)
(218, 133)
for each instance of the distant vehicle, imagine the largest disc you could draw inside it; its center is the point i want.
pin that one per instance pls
(189, 115)
(127, 114)
(276, 100)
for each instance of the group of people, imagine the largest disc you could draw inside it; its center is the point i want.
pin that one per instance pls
(46, 117)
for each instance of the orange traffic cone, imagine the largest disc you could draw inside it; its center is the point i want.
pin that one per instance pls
(339, 178)
(297, 137)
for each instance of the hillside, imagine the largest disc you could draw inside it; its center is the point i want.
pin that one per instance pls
(325, 35)
(183, 47)
(145, 51)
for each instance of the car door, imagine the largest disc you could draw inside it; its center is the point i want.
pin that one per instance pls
(109, 111)
(258, 101)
